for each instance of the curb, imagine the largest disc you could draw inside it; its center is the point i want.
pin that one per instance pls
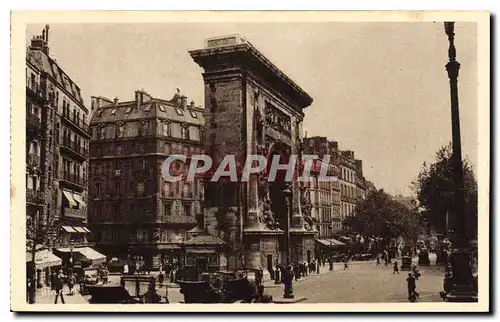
(290, 301)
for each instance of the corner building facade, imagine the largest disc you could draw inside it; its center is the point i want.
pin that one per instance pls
(56, 150)
(253, 108)
(134, 213)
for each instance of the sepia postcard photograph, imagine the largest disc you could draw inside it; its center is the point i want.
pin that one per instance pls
(250, 161)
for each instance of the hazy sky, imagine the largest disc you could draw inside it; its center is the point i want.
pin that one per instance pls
(380, 89)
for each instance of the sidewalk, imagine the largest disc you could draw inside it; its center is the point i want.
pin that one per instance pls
(322, 271)
(45, 295)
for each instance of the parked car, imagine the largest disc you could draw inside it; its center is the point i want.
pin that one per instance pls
(116, 265)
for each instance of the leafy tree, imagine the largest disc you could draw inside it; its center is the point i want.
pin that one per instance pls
(381, 216)
(39, 232)
(434, 187)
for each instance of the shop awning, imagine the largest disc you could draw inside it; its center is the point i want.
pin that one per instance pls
(44, 259)
(68, 229)
(92, 255)
(86, 230)
(80, 230)
(79, 199)
(330, 242)
(69, 197)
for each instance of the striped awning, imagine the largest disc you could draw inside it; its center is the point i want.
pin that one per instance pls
(80, 230)
(68, 229)
(330, 242)
(69, 198)
(44, 259)
(79, 199)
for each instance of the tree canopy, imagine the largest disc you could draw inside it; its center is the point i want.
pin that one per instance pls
(381, 216)
(434, 187)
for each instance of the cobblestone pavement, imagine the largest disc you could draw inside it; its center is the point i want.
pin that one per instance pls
(364, 283)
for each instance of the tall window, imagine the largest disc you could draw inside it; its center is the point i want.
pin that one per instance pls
(166, 129)
(185, 133)
(187, 210)
(140, 188)
(98, 189)
(167, 189)
(167, 209)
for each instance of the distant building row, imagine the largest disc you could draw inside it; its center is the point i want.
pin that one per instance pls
(333, 201)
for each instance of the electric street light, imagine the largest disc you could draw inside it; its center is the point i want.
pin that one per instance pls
(462, 289)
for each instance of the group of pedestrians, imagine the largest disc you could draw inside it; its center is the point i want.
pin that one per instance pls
(297, 270)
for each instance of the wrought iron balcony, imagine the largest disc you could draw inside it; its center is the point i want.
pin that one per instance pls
(33, 160)
(77, 124)
(33, 122)
(35, 196)
(74, 182)
(35, 94)
(74, 150)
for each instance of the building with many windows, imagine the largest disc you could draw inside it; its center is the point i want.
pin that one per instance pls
(325, 195)
(57, 143)
(134, 211)
(348, 190)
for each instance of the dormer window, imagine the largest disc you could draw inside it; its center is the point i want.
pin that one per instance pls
(113, 111)
(162, 108)
(193, 114)
(179, 111)
(128, 110)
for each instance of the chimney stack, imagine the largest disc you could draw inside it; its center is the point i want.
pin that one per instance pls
(183, 101)
(191, 104)
(115, 101)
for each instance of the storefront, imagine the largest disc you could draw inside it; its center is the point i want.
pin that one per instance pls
(45, 264)
(83, 256)
(330, 246)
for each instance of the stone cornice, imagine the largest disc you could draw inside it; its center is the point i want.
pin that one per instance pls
(245, 51)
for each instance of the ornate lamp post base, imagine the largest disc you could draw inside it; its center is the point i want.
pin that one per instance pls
(463, 288)
(288, 292)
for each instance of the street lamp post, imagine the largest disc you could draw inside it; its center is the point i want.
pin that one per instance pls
(288, 196)
(463, 283)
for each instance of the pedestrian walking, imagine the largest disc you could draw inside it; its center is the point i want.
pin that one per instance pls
(58, 287)
(161, 278)
(125, 269)
(346, 265)
(378, 260)
(396, 268)
(71, 284)
(412, 293)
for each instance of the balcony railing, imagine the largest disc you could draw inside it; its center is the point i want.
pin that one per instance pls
(78, 124)
(75, 213)
(33, 121)
(74, 179)
(35, 93)
(35, 196)
(75, 149)
(33, 160)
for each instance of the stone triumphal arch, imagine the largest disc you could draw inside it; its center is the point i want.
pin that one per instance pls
(253, 108)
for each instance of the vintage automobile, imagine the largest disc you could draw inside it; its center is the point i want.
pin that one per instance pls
(110, 294)
(226, 287)
(90, 277)
(103, 274)
(405, 263)
(116, 265)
